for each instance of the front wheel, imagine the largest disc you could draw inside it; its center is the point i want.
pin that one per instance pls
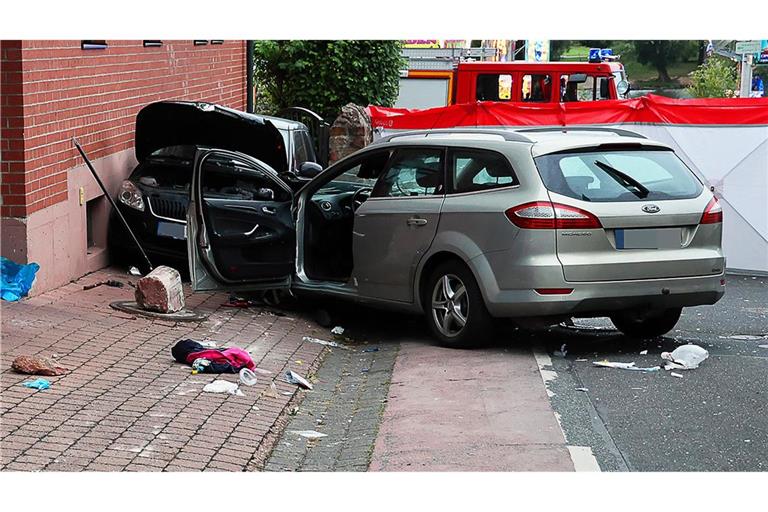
(454, 306)
(650, 324)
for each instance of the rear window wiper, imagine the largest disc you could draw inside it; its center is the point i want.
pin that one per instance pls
(624, 180)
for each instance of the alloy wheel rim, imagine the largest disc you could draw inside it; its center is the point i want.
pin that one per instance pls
(450, 305)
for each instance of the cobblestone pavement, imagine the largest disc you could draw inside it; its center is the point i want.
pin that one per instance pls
(346, 404)
(126, 405)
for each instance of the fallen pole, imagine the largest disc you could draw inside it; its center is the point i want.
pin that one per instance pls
(112, 202)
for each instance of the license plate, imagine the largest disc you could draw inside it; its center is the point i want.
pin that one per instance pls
(660, 238)
(172, 230)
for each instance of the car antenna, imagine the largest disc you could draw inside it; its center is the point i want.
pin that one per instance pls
(112, 201)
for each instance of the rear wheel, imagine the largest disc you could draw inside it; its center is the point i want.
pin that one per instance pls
(454, 306)
(648, 324)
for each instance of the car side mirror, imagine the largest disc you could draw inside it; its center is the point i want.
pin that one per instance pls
(309, 170)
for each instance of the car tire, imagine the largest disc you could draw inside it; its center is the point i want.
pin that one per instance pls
(651, 324)
(461, 302)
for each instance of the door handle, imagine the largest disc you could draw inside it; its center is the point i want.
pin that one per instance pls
(268, 210)
(416, 221)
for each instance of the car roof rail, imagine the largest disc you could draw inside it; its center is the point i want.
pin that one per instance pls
(566, 129)
(509, 135)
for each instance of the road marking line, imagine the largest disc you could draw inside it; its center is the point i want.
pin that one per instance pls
(583, 458)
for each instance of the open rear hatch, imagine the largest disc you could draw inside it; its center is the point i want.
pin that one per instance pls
(629, 215)
(181, 123)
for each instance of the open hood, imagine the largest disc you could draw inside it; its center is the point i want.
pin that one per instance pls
(184, 123)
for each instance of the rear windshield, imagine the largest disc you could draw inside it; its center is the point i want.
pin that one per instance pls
(627, 175)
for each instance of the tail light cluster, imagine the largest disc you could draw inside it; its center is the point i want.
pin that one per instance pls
(713, 213)
(547, 215)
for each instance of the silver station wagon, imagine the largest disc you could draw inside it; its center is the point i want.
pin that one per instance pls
(468, 225)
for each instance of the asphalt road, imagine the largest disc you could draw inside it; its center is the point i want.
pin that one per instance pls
(714, 418)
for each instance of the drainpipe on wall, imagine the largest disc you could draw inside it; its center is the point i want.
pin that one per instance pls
(249, 76)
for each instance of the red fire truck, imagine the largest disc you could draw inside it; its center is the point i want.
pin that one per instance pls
(513, 81)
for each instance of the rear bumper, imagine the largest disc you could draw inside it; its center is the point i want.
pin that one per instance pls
(606, 296)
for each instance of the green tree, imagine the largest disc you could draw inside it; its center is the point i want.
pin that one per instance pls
(716, 78)
(660, 54)
(325, 75)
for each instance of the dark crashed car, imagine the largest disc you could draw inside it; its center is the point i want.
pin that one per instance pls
(155, 196)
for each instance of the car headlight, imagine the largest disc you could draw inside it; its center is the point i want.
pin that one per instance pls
(130, 195)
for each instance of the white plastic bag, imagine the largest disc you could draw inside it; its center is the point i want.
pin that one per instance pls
(223, 386)
(685, 357)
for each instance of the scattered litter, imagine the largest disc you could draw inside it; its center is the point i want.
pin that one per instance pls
(299, 362)
(762, 346)
(220, 360)
(223, 386)
(322, 342)
(365, 370)
(676, 375)
(109, 282)
(16, 279)
(208, 344)
(747, 440)
(337, 331)
(36, 365)
(247, 377)
(310, 434)
(644, 352)
(272, 391)
(262, 371)
(582, 360)
(37, 384)
(685, 357)
(625, 366)
(371, 349)
(744, 337)
(562, 352)
(255, 408)
(582, 389)
(294, 411)
(292, 377)
(286, 393)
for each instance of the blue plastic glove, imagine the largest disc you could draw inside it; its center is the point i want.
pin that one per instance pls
(38, 384)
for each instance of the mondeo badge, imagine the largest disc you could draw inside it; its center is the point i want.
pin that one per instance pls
(651, 208)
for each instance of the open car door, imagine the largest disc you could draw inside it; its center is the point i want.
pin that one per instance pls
(241, 230)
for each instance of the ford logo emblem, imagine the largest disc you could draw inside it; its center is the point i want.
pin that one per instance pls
(651, 208)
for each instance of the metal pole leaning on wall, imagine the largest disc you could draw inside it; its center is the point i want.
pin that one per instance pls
(112, 201)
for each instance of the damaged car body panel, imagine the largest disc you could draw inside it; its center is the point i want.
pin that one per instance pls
(155, 197)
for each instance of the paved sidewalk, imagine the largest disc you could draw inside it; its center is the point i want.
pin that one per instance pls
(468, 410)
(346, 405)
(126, 404)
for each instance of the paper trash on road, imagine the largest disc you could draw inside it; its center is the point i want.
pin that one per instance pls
(223, 386)
(310, 434)
(644, 352)
(676, 375)
(292, 377)
(323, 342)
(134, 271)
(625, 366)
(337, 331)
(685, 357)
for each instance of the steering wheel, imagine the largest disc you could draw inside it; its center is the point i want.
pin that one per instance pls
(357, 201)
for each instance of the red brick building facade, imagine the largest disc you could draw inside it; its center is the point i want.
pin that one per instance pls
(53, 212)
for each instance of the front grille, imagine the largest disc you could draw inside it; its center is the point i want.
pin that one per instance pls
(169, 208)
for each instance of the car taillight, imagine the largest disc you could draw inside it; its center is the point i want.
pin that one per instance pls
(546, 215)
(713, 213)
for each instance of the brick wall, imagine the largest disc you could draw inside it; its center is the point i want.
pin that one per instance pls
(53, 91)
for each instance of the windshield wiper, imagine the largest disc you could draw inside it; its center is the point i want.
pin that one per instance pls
(624, 180)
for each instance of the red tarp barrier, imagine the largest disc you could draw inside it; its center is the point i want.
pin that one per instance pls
(646, 109)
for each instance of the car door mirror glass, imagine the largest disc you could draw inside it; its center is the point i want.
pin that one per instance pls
(309, 170)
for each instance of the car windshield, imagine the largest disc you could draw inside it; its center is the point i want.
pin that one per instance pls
(633, 175)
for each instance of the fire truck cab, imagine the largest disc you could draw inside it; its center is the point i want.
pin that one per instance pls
(539, 82)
